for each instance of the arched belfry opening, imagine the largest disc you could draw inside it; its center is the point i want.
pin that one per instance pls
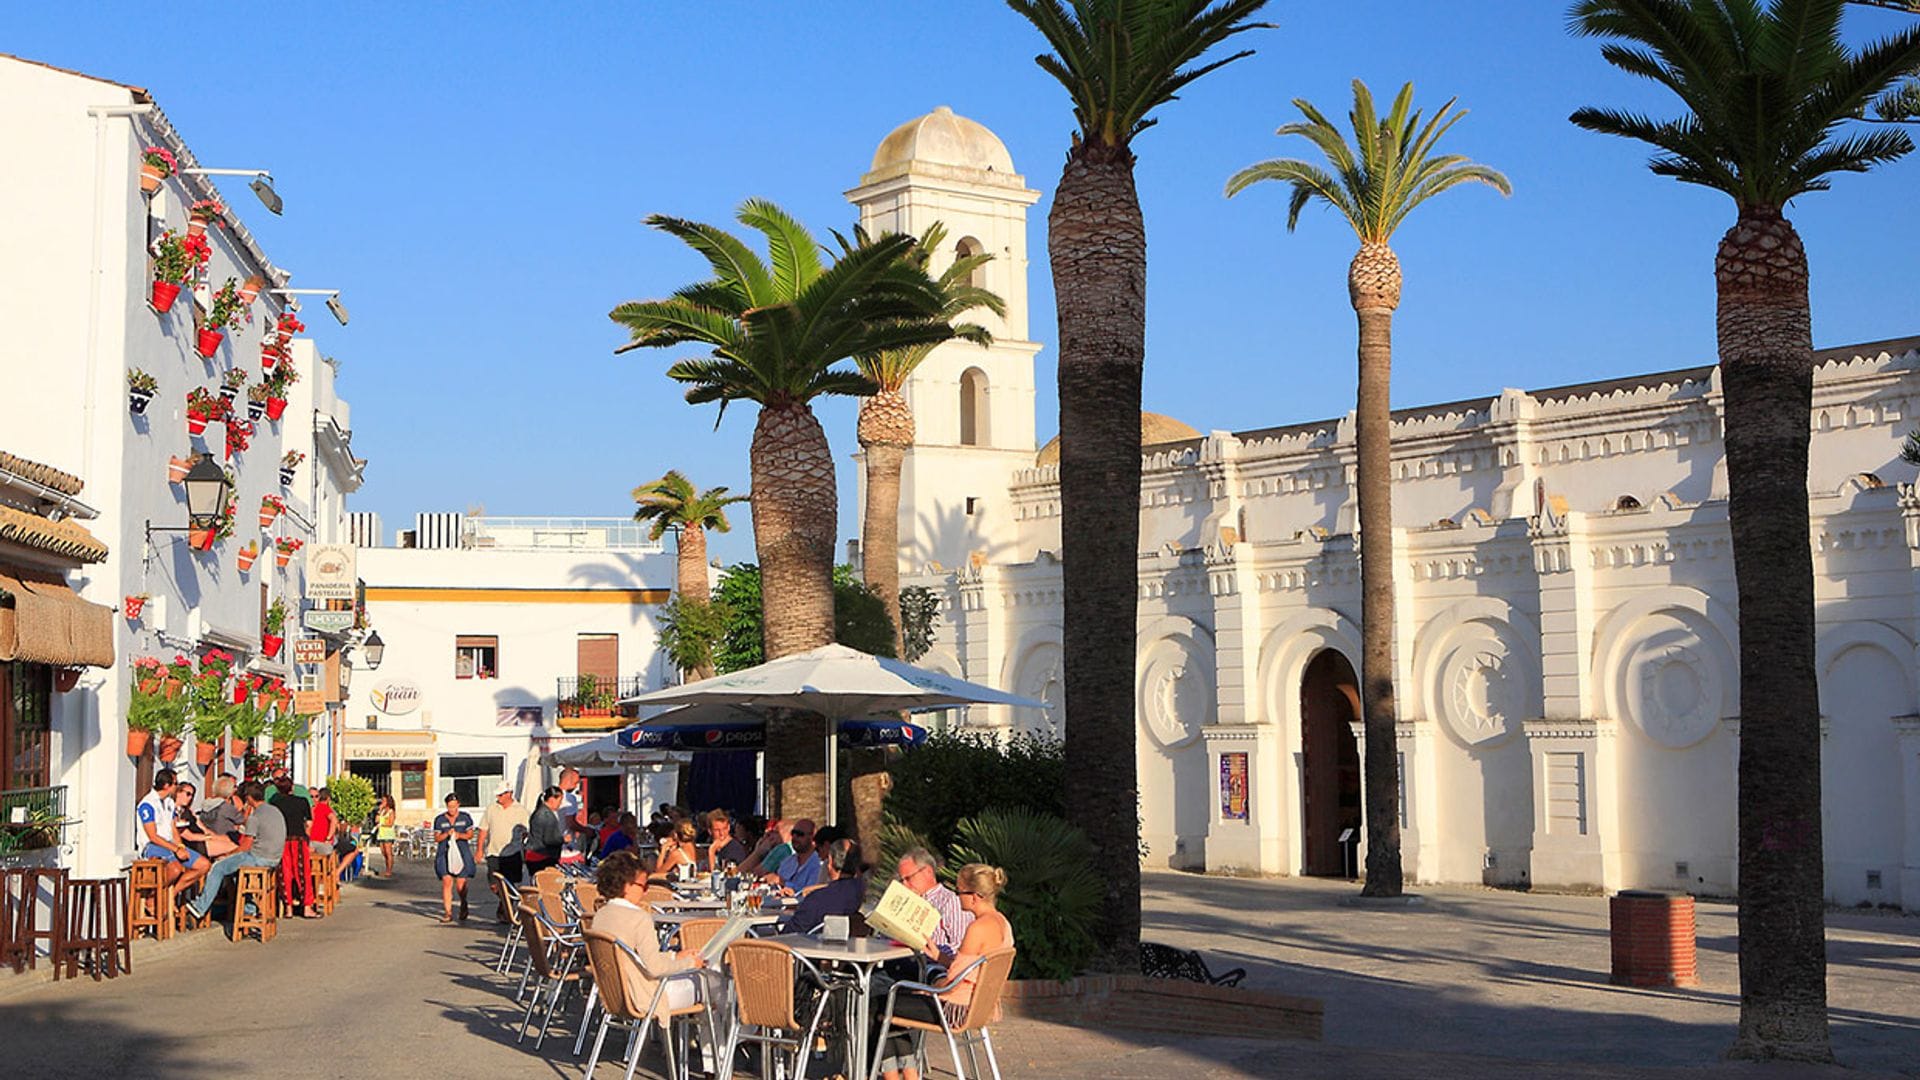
(1330, 766)
(966, 249)
(973, 408)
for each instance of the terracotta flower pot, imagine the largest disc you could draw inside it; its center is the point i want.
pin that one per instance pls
(282, 558)
(205, 752)
(138, 400)
(150, 177)
(135, 605)
(251, 290)
(276, 407)
(267, 516)
(238, 747)
(200, 539)
(137, 742)
(169, 749)
(196, 425)
(172, 687)
(279, 747)
(270, 644)
(164, 294)
(196, 226)
(247, 559)
(210, 342)
(177, 469)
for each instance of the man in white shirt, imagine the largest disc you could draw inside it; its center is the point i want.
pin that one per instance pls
(153, 822)
(573, 815)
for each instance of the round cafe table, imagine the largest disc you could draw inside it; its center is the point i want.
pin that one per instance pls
(861, 955)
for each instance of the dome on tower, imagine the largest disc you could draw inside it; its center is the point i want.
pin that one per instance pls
(1155, 430)
(942, 137)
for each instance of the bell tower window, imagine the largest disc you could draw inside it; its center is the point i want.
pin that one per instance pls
(973, 408)
(967, 248)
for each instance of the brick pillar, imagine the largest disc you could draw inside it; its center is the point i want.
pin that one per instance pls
(1653, 940)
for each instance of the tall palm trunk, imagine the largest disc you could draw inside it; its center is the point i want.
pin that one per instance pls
(886, 430)
(1097, 244)
(691, 571)
(1373, 284)
(1766, 371)
(793, 533)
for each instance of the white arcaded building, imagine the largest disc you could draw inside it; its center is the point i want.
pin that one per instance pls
(1566, 644)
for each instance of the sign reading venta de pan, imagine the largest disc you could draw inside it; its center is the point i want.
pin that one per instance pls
(331, 572)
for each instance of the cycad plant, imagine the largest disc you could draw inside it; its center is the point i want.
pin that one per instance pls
(776, 330)
(672, 503)
(1390, 167)
(1770, 96)
(886, 427)
(1118, 60)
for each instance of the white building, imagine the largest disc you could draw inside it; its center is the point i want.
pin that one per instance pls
(510, 642)
(74, 319)
(1566, 639)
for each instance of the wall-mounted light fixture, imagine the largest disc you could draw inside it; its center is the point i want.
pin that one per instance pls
(374, 649)
(333, 300)
(262, 184)
(208, 491)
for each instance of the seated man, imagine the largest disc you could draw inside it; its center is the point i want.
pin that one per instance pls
(801, 870)
(723, 848)
(261, 845)
(841, 894)
(224, 818)
(155, 823)
(919, 870)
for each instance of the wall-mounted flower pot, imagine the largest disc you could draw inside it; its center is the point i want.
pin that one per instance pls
(247, 558)
(134, 606)
(151, 176)
(137, 741)
(197, 226)
(210, 342)
(238, 747)
(270, 644)
(282, 558)
(279, 748)
(239, 693)
(269, 356)
(196, 425)
(177, 469)
(286, 478)
(200, 539)
(251, 290)
(256, 409)
(276, 407)
(138, 400)
(164, 294)
(169, 749)
(229, 393)
(205, 753)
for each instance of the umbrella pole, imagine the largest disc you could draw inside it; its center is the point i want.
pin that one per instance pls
(833, 772)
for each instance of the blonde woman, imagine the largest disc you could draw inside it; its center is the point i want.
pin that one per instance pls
(678, 849)
(386, 829)
(978, 886)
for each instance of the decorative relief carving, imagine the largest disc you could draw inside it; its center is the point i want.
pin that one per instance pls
(1673, 678)
(1482, 681)
(1176, 687)
(1040, 679)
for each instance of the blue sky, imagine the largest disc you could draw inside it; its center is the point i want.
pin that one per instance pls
(474, 177)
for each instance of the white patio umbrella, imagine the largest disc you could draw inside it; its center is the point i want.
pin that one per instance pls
(606, 752)
(835, 682)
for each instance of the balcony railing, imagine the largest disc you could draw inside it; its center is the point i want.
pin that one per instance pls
(589, 702)
(563, 533)
(32, 819)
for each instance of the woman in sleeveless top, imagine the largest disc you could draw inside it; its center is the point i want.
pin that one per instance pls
(386, 830)
(978, 886)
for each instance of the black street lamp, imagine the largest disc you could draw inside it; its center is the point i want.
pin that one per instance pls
(207, 493)
(375, 650)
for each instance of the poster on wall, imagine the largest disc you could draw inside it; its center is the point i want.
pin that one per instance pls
(1233, 786)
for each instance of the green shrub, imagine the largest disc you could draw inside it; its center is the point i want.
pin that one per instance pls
(1052, 896)
(353, 797)
(957, 775)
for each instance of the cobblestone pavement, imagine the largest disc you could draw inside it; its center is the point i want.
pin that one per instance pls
(1472, 984)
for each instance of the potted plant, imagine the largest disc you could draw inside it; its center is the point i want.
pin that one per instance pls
(248, 555)
(284, 549)
(270, 354)
(222, 313)
(271, 507)
(270, 630)
(136, 604)
(256, 401)
(202, 214)
(250, 290)
(230, 384)
(156, 164)
(245, 725)
(174, 259)
(288, 727)
(209, 729)
(203, 407)
(287, 325)
(170, 723)
(140, 390)
(290, 461)
(178, 468)
(239, 435)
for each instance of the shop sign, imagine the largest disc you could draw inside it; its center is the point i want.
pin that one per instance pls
(396, 697)
(308, 702)
(309, 650)
(385, 753)
(331, 572)
(328, 622)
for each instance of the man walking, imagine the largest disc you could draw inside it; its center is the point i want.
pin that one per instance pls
(261, 845)
(503, 840)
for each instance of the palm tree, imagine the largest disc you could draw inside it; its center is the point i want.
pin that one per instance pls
(1375, 182)
(672, 503)
(1118, 60)
(1768, 90)
(777, 328)
(886, 423)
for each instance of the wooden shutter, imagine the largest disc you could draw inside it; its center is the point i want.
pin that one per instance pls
(600, 657)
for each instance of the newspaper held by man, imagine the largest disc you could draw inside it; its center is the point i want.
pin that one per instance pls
(905, 916)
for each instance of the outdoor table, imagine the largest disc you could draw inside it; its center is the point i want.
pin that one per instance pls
(862, 955)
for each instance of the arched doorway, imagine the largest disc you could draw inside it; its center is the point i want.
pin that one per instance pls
(1330, 764)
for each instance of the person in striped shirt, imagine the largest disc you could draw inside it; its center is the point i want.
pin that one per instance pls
(919, 870)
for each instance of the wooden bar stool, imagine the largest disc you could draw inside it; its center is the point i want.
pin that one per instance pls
(20, 924)
(16, 944)
(326, 882)
(256, 884)
(150, 899)
(95, 935)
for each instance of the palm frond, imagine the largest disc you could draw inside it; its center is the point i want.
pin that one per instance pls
(793, 251)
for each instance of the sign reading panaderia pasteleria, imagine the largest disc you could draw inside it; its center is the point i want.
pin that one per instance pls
(331, 572)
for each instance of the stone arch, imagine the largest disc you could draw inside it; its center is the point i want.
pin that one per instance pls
(966, 248)
(1175, 693)
(1287, 651)
(1664, 661)
(1033, 668)
(974, 413)
(1834, 643)
(1477, 670)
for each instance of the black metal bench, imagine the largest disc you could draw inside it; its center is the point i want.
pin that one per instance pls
(1167, 962)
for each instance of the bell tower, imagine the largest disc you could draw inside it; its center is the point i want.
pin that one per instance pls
(973, 407)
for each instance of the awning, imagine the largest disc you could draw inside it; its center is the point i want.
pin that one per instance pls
(45, 623)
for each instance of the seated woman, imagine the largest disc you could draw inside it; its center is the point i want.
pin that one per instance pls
(979, 887)
(622, 880)
(840, 894)
(678, 850)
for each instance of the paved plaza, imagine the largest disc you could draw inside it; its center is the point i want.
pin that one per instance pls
(1472, 984)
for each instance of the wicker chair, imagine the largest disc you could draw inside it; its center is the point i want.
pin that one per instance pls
(993, 970)
(510, 903)
(615, 968)
(695, 933)
(766, 978)
(553, 953)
